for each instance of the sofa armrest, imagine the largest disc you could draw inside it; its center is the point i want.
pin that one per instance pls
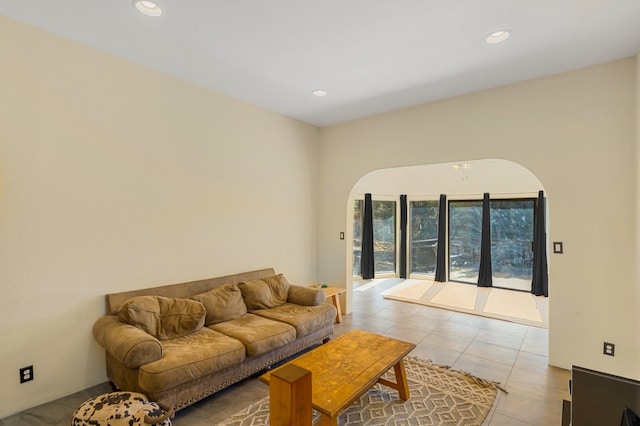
(128, 344)
(305, 296)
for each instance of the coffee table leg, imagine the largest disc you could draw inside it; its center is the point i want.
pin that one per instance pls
(328, 421)
(401, 384)
(401, 380)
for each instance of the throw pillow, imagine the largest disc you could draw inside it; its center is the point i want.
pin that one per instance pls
(163, 317)
(222, 303)
(265, 293)
(279, 288)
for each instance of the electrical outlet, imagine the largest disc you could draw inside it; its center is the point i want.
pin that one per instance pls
(26, 374)
(609, 349)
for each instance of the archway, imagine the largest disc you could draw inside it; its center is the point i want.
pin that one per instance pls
(467, 179)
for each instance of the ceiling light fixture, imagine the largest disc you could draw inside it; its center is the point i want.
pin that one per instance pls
(319, 93)
(497, 36)
(458, 166)
(148, 8)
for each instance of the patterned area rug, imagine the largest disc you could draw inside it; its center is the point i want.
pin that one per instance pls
(439, 396)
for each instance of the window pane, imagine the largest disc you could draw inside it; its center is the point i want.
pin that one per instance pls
(358, 208)
(423, 234)
(384, 236)
(465, 231)
(511, 239)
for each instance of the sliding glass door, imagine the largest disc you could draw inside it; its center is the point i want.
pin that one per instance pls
(423, 234)
(384, 236)
(511, 239)
(358, 212)
(511, 243)
(465, 231)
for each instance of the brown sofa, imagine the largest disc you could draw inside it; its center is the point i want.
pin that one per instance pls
(183, 342)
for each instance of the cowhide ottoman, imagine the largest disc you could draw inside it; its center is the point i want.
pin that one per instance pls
(121, 408)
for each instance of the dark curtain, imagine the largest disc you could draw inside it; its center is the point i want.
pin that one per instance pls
(367, 265)
(403, 236)
(540, 279)
(485, 274)
(441, 257)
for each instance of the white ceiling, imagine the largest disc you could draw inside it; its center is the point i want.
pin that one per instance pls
(371, 56)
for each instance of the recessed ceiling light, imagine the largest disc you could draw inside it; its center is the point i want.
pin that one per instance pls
(458, 166)
(148, 8)
(497, 36)
(319, 92)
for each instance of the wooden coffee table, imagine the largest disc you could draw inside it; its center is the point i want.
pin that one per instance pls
(345, 368)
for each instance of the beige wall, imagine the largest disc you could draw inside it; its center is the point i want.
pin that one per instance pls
(114, 177)
(576, 133)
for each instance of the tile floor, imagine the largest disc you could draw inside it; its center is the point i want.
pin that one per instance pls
(513, 354)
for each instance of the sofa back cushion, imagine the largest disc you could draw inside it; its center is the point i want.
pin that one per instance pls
(222, 303)
(163, 317)
(265, 293)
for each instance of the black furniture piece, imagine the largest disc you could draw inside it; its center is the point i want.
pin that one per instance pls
(629, 418)
(599, 399)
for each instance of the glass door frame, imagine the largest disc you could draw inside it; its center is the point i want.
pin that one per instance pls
(396, 199)
(478, 198)
(411, 199)
(469, 199)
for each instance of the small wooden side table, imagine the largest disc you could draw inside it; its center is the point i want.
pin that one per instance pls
(334, 293)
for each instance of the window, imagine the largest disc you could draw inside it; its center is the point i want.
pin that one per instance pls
(512, 226)
(358, 215)
(465, 232)
(511, 243)
(384, 236)
(511, 240)
(423, 236)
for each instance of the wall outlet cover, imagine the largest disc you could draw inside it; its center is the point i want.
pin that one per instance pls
(609, 349)
(26, 374)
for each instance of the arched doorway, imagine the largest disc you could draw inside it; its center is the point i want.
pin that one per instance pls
(464, 182)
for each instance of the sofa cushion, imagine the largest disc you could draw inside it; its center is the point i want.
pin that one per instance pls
(163, 317)
(265, 293)
(258, 334)
(222, 303)
(305, 319)
(189, 358)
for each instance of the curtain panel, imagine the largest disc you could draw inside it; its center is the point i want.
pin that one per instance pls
(540, 276)
(403, 236)
(367, 264)
(485, 274)
(441, 252)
